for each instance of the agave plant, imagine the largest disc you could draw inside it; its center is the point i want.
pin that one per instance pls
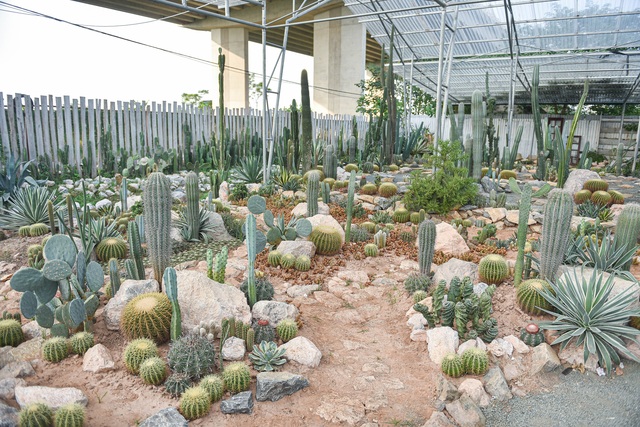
(590, 251)
(249, 170)
(590, 314)
(266, 356)
(591, 210)
(27, 206)
(206, 226)
(13, 177)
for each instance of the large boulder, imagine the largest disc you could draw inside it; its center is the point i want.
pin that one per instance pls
(201, 299)
(302, 351)
(301, 209)
(297, 248)
(274, 311)
(327, 220)
(168, 417)
(128, 291)
(217, 231)
(53, 397)
(576, 179)
(455, 267)
(448, 240)
(440, 342)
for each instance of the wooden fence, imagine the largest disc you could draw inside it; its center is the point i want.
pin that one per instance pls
(31, 127)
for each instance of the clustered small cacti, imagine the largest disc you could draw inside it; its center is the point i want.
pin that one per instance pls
(236, 377)
(380, 239)
(147, 316)
(287, 329)
(452, 365)
(35, 258)
(194, 403)
(137, 351)
(55, 349)
(153, 371)
(81, 342)
(206, 330)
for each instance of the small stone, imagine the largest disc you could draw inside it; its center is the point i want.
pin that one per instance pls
(98, 359)
(32, 330)
(417, 321)
(418, 335)
(26, 351)
(500, 347)
(466, 413)
(8, 416)
(168, 417)
(445, 390)
(519, 346)
(496, 214)
(233, 349)
(341, 410)
(466, 345)
(19, 369)
(53, 397)
(448, 240)
(301, 210)
(438, 419)
(274, 386)
(302, 351)
(496, 385)
(297, 247)
(274, 312)
(474, 389)
(513, 216)
(544, 359)
(440, 342)
(8, 387)
(241, 403)
(304, 291)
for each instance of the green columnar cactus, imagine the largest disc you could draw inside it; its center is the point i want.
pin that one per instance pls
(426, 245)
(326, 191)
(236, 377)
(35, 257)
(10, 333)
(287, 329)
(135, 252)
(192, 210)
(221, 265)
(380, 239)
(35, 415)
(114, 276)
(477, 115)
(555, 232)
(461, 318)
(326, 239)
(353, 146)
(153, 371)
(214, 385)
(229, 324)
(448, 313)
(537, 123)
(70, 415)
(81, 342)
(55, 349)
(136, 352)
(251, 255)
(195, 403)
(210, 263)
(147, 316)
(171, 285)
(582, 196)
(313, 187)
(493, 268)
(307, 137)
(176, 384)
(111, 247)
(124, 194)
(250, 339)
(70, 205)
(302, 263)
(350, 195)
(51, 215)
(371, 249)
(627, 229)
(475, 361)
(330, 164)
(488, 330)
(453, 366)
(264, 332)
(531, 335)
(157, 201)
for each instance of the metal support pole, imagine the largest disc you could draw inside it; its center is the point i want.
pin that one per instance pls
(635, 151)
(624, 110)
(512, 96)
(265, 170)
(410, 97)
(449, 65)
(439, 85)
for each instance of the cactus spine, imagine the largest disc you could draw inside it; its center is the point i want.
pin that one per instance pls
(628, 229)
(475, 361)
(136, 352)
(493, 268)
(153, 370)
(350, 195)
(114, 276)
(426, 245)
(555, 232)
(171, 285)
(307, 141)
(192, 211)
(236, 377)
(157, 212)
(70, 415)
(10, 333)
(81, 342)
(478, 133)
(452, 365)
(313, 186)
(531, 335)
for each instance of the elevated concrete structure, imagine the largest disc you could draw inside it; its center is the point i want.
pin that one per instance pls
(340, 48)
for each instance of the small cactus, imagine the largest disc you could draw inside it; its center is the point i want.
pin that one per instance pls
(287, 260)
(453, 366)
(111, 247)
(582, 196)
(70, 415)
(81, 342)
(195, 403)
(369, 189)
(529, 298)
(38, 229)
(601, 198)
(401, 215)
(616, 197)
(531, 335)
(137, 351)
(35, 415)
(177, 383)
(493, 268)
(236, 377)
(419, 296)
(214, 385)
(369, 226)
(153, 371)
(147, 316)
(264, 332)
(594, 185)
(302, 263)
(417, 282)
(274, 258)
(287, 330)
(371, 250)
(476, 361)
(506, 174)
(327, 240)
(388, 189)
(24, 231)
(10, 333)
(192, 355)
(55, 349)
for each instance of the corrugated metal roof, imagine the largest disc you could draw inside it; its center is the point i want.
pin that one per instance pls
(571, 40)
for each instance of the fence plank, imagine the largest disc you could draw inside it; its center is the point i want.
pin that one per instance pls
(76, 135)
(60, 132)
(38, 128)
(91, 137)
(83, 133)
(11, 116)
(44, 117)
(20, 129)
(4, 128)
(68, 130)
(29, 127)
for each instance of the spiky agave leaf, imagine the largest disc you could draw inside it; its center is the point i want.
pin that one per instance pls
(27, 206)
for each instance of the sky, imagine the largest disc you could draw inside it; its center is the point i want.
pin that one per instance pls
(41, 56)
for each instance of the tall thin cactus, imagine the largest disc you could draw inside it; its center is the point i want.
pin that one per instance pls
(135, 252)
(426, 245)
(390, 140)
(353, 146)
(307, 137)
(157, 200)
(295, 135)
(537, 123)
(221, 61)
(628, 229)
(555, 232)
(330, 164)
(619, 153)
(350, 196)
(70, 211)
(52, 220)
(114, 276)
(313, 187)
(124, 195)
(192, 211)
(171, 284)
(251, 255)
(477, 115)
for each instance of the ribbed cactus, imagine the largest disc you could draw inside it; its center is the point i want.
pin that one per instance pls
(176, 384)
(371, 249)
(478, 123)
(10, 333)
(81, 342)
(55, 349)
(619, 153)
(616, 197)
(34, 415)
(111, 247)
(195, 403)
(171, 285)
(210, 263)
(582, 196)
(380, 239)
(476, 361)
(251, 255)
(70, 204)
(326, 239)
(124, 205)
(114, 276)
(353, 146)
(350, 195)
(330, 164)
(594, 185)
(153, 371)
(274, 258)
(555, 232)
(236, 377)
(529, 298)
(136, 352)
(452, 365)
(70, 415)
(493, 268)
(147, 316)
(50, 213)
(627, 229)
(531, 335)
(306, 146)
(192, 210)
(287, 329)
(426, 245)
(157, 201)
(214, 385)
(303, 263)
(313, 188)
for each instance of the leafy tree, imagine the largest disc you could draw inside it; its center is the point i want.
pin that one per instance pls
(196, 99)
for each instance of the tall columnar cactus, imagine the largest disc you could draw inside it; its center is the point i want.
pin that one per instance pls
(537, 123)
(192, 211)
(426, 245)
(353, 147)
(210, 263)
(114, 276)
(221, 62)
(313, 187)
(124, 195)
(295, 135)
(307, 137)
(70, 211)
(555, 232)
(350, 195)
(523, 219)
(251, 254)
(628, 229)
(619, 153)
(157, 200)
(330, 165)
(221, 265)
(135, 268)
(171, 285)
(50, 213)
(477, 115)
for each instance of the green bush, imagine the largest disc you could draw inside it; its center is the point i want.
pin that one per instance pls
(449, 188)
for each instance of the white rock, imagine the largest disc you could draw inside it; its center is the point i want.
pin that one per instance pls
(455, 267)
(496, 214)
(544, 359)
(576, 179)
(417, 321)
(202, 298)
(440, 342)
(518, 345)
(474, 389)
(54, 398)
(513, 216)
(467, 345)
(302, 351)
(448, 240)
(97, 359)
(128, 290)
(104, 203)
(419, 335)
(327, 220)
(274, 311)
(297, 248)
(233, 349)
(500, 347)
(301, 209)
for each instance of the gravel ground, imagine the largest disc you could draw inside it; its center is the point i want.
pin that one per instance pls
(577, 400)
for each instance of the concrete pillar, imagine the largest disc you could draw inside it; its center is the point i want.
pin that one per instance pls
(235, 46)
(339, 49)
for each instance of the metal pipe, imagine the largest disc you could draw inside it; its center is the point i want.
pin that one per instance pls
(410, 96)
(207, 13)
(449, 66)
(635, 151)
(439, 85)
(265, 171)
(624, 110)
